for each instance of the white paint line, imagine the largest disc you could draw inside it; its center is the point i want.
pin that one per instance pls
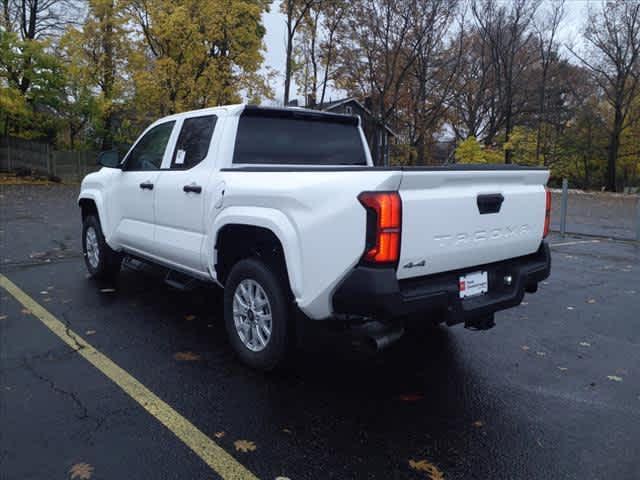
(577, 242)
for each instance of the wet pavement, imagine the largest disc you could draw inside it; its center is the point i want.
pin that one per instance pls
(553, 391)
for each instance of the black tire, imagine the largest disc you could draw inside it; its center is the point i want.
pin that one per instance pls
(108, 260)
(275, 352)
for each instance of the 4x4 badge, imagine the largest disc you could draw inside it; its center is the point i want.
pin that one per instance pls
(421, 263)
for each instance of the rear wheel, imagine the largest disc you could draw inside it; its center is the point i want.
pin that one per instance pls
(102, 262)
(257, 314)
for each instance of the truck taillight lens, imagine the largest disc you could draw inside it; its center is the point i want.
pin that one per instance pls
(384, 223)
(547, 214)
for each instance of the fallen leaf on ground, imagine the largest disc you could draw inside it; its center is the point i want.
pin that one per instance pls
(478, 423)
(433, 473)
(83, 471)
(244, 445)
(219, 434)
(189, 318)
(525, 347)
(107, 290)
(186, 356)
(615, 378)
(411, 397)
(90, 332)
(585, 344)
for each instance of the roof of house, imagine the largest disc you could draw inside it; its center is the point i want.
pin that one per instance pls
(327, 106)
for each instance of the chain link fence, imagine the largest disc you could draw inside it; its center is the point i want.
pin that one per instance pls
(602, 214)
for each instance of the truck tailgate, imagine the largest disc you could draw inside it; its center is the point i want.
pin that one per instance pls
(443, 228)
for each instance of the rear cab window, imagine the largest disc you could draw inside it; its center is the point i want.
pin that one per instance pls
(193, 143)
(285, 137)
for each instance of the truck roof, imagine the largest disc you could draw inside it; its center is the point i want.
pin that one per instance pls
(237, 109)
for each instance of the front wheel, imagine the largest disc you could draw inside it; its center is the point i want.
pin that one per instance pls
(102, 262)
(257, 314)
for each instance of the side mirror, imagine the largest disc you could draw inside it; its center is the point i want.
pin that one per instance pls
(110, 159)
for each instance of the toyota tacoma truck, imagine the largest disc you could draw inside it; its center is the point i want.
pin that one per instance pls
(284, 209)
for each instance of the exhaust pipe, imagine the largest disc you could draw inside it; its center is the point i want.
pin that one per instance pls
(380, 341)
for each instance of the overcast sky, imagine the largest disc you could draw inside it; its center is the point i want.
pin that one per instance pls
(275, 39)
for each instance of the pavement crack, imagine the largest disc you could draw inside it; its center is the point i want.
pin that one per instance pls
(71, 334)
(74, 398)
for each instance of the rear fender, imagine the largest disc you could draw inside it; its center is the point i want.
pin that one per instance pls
(268, 218)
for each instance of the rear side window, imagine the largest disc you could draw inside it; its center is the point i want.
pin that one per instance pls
(193, 143)
(296, 139)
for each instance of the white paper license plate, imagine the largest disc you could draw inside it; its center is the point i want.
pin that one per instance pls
(475, 283)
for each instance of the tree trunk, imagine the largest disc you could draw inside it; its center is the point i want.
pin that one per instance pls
(508, 122)
(612, 154)
(287, 74)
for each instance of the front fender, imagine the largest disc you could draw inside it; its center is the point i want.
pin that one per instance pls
(97, 198)
(269, 218)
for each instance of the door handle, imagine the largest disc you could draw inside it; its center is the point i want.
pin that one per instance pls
(146, 186)
(192, 189)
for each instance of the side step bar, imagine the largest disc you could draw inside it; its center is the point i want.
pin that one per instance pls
(173, 278)
(180, 281)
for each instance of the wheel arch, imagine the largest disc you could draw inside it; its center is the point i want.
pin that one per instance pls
(248, 230)
(90, 202)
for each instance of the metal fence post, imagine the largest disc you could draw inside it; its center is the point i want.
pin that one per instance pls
(563, 207)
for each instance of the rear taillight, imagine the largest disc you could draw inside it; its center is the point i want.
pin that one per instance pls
(384, 223)
(547, 213)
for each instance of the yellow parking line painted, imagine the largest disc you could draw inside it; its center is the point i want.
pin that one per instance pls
(213, 455)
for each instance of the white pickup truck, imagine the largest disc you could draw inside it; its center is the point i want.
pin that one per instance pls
(284, 209)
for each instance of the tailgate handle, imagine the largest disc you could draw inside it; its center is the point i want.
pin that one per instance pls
(490, 203)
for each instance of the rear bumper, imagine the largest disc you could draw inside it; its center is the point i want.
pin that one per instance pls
(376, 292)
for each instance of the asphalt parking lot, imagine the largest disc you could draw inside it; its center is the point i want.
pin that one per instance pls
(553, 391)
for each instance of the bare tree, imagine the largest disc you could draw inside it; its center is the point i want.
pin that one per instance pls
(613, 36)
(473, 100)
(37, 18)
(432, 75)
(546, 32)
(505, 28)
(295, 11)
(380, 42)
(306, 54)
(334, 12)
